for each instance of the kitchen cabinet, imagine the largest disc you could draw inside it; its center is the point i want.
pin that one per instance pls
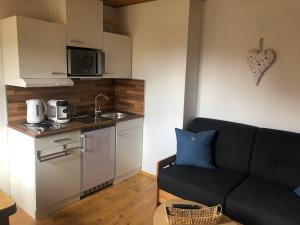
(44, 172)
(129, 148)
(34, 50)
(118, 55)
(84, 21)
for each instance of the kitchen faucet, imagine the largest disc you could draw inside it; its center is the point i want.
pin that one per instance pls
(98, 108)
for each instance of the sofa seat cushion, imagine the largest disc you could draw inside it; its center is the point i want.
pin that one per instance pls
(206, 186)
(259, 202)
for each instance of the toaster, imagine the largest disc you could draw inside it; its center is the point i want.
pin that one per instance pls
(58, 111)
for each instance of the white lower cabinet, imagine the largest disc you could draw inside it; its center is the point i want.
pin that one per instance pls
(129, 145)
(57, 180)
(45, 172)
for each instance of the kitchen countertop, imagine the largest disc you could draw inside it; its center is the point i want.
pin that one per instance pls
(74, 124)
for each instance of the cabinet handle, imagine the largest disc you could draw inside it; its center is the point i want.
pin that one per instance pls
(71, 149)
(52, 156)
(124, 134)
(58, 73)
(63, 139)
(77, 41)
(83, 143)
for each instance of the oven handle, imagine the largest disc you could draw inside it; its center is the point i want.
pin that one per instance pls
(56, 155)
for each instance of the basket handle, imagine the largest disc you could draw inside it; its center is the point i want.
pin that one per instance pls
(219, 208)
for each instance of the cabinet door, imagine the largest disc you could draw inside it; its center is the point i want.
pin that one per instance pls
(118, 55)
(57, 179)
(129, 151)
(85, 23)
(42, 49)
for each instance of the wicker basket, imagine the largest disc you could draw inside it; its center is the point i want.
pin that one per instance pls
(205, 215)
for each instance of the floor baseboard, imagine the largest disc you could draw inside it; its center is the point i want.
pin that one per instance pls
(153, 177)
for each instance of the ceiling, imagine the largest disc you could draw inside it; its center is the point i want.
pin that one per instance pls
(119, 3)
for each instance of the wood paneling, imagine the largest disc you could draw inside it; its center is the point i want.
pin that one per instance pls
(129, 96)
(119, 3)
(82, 96)
(130, 202)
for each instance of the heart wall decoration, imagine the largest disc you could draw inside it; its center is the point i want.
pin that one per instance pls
(260, 61)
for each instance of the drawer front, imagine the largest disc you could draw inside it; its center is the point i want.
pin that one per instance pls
(48, 154)
(129, 124)
(57, 140)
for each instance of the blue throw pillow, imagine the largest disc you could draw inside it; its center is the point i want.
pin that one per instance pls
(194, 149)
(297, 191)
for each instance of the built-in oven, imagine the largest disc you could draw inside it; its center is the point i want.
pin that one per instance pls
(85, 62)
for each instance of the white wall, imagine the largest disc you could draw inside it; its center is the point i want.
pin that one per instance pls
(4, 165)
(38, 9)
(5, 10)
(160, 33)
(193, 61)
(31, 8)
(226, 87)
(110, 19)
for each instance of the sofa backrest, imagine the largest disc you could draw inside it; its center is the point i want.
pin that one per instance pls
(276, 157)
(233, 143)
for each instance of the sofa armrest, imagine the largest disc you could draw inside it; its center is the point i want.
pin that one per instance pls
(165, 162)
(161, 164)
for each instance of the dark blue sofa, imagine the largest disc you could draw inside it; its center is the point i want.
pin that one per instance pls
(256, 173)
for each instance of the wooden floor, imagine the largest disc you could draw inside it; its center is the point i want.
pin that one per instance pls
(131, 202)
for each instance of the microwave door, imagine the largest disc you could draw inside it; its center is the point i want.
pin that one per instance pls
(82, 62)
(101, 63)
(90, 60)
(88, 63)
(76, 62)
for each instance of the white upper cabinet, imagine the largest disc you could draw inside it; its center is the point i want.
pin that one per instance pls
(84, 21)
(33, 50)
(118, 55)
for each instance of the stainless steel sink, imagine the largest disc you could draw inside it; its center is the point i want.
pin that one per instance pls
(115, 115)
(90, 119)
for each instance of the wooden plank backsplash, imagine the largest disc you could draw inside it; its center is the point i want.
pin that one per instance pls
(124, 95)
(129, 96)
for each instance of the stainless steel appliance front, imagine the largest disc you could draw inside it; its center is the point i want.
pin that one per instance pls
(98, 159)
(85, 62)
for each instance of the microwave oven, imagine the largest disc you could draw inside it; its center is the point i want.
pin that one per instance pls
(85, 62)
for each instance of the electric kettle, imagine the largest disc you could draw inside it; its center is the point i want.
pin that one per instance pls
(36, 110)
